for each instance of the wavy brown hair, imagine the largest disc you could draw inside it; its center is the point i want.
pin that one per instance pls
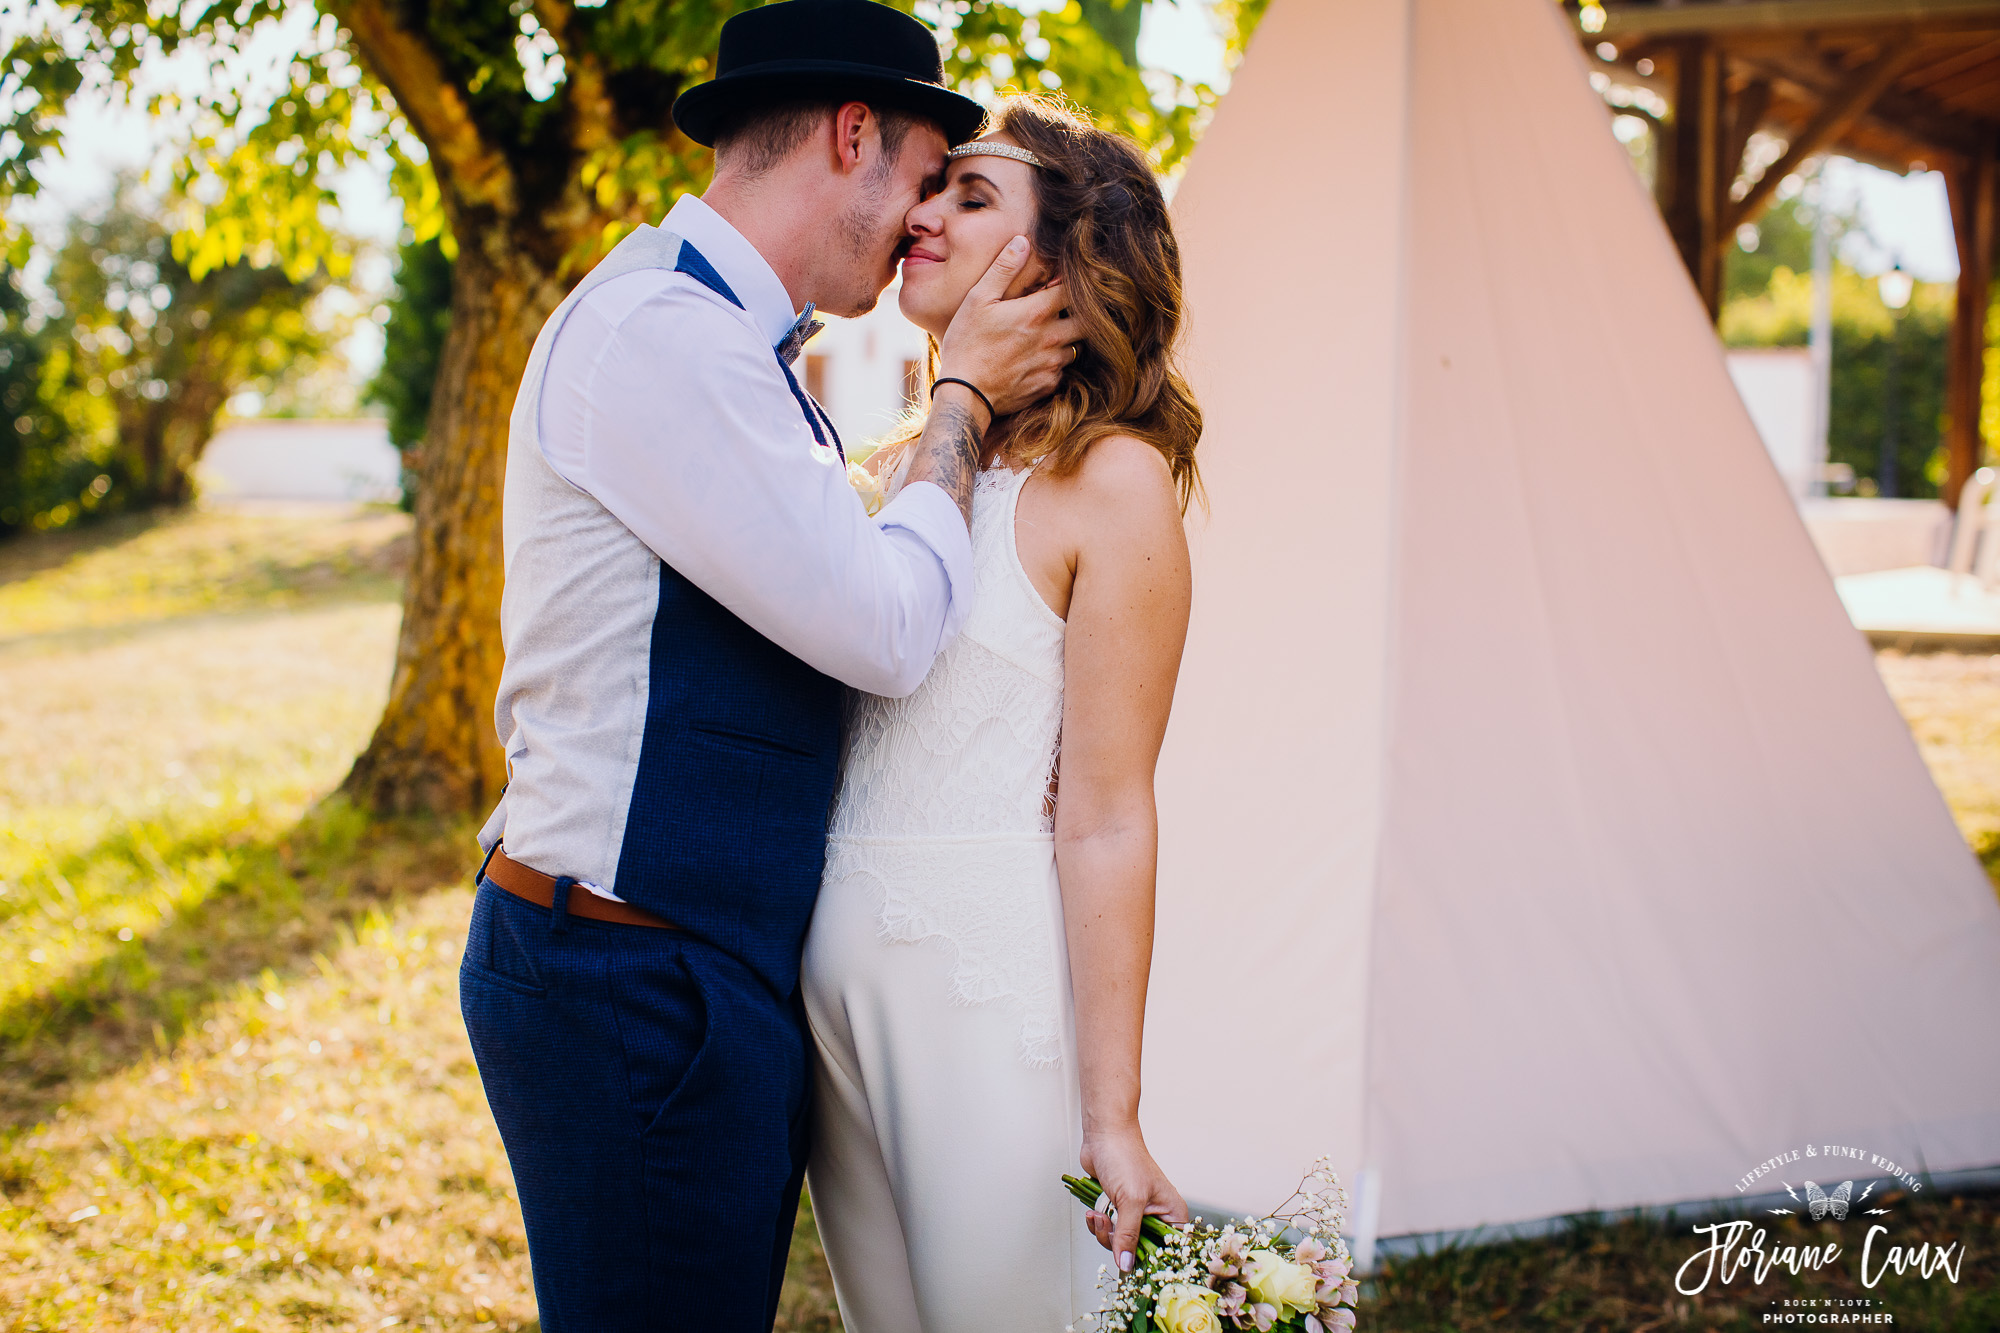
(1101, 225)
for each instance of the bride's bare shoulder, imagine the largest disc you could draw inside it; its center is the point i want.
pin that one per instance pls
(881, 462)
(1127, 481)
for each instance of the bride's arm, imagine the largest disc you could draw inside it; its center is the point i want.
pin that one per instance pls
(1127, 622)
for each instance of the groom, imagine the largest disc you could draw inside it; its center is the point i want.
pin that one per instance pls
(690, 582)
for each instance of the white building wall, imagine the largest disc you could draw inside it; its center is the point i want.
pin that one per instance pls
(301, 460)
(861, 369)
(1776, 384)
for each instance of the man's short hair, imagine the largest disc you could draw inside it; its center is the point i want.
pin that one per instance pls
(755, 141)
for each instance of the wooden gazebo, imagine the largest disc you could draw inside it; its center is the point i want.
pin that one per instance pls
(1902, 84)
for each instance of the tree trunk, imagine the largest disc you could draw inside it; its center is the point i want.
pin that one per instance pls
(514, 196)
(435, 747)
(146, 432)
(163, 439)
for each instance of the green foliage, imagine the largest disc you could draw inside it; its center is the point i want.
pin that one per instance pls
(552, 123)
(1884, 362)
(159, 350)
(419, 318)
(48, 474)
(257, 183)
(1117, 22)
(998, 46)
(1784, 240)
(413, 342)
(258, 188)
(112, 392)
(1895, 374)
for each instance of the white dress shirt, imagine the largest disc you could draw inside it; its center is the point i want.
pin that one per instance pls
(667, 405)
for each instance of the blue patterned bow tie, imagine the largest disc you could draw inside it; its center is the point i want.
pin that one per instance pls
(795, 337)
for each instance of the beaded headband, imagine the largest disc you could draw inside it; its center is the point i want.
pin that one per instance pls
(986, 148)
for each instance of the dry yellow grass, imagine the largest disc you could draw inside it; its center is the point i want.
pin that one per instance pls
(316, 1154)
(234, 1088)
(1952, 703)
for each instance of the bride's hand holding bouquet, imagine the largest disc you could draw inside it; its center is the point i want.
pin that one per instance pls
(1132, 1184)
(1191, 1278)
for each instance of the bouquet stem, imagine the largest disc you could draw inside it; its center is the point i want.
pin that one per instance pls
(1088, 1192)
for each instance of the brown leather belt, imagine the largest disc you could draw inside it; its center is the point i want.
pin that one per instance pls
(530, 884)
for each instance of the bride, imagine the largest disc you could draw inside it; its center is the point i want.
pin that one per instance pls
(976, 971)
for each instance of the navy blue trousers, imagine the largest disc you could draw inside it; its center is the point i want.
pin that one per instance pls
(651, 1091)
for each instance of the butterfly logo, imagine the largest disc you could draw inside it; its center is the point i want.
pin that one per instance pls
(1819, 1203)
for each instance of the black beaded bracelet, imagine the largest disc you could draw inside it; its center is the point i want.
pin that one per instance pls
(953, 379)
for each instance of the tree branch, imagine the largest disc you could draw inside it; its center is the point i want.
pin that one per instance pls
(470, 171)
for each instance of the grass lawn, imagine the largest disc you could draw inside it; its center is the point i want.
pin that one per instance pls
(1952, 703)
(234, 1089)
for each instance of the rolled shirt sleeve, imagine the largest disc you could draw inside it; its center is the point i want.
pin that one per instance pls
(662, 402)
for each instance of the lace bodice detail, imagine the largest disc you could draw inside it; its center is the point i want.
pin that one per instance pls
(946, 800)
(973, 750)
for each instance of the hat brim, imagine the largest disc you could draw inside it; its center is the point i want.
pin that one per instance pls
(701, 110)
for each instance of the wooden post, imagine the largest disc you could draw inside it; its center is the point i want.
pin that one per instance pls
(1970, 184)
(1693, 202)
(1746, 112)
(1835, 114)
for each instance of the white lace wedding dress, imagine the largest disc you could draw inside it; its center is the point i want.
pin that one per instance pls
(937, 983)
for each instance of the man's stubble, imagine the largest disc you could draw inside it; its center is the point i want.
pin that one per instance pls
(871, 231)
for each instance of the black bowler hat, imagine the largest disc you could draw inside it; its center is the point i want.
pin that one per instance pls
(844, 50)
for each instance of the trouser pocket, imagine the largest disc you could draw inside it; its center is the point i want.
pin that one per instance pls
(499, 944)
(665, 1027)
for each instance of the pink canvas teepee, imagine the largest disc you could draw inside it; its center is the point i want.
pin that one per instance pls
(1536, 834)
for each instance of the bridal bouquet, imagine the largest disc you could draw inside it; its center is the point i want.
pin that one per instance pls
(1194, 1278)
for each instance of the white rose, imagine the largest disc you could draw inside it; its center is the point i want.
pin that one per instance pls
(1186, 1308)
(865, 486)
(1276, 1280)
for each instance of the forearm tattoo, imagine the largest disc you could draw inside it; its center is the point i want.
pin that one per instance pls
(952, 438)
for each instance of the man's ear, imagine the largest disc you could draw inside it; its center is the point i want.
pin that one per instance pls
(855, 130)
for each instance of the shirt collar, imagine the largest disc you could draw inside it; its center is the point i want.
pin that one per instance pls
(747, 272)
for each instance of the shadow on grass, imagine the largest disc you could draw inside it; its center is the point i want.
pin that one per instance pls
(269, 904)
(1987, 848)
(83, 638)
(26, 554)
(76, 588)
(1602, 1275)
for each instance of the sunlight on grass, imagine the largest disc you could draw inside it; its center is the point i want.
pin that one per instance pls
(1952, 703)
(134, 570)
(143, 775)
(164, 761)
(318, 1155)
